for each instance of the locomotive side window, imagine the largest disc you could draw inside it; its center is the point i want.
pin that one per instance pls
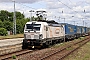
(46, 28)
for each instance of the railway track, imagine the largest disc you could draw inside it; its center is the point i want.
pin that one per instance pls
(9, 49)
(18, 53)
(59, 54)
(64, 52)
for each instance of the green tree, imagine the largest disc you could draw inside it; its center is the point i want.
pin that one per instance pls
(4, 15)
(19, 15)
(6, 21)
(8, 25)
(10, 18)
(3, 32)
(1, 24)
(20, 25)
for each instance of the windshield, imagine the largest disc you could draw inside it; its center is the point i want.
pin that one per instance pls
(33, 27)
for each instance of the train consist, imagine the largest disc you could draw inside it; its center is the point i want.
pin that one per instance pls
(43, 33)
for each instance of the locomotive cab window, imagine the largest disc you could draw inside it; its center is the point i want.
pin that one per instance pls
(33, 27)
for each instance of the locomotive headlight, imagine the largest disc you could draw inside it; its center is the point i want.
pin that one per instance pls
(40, 36)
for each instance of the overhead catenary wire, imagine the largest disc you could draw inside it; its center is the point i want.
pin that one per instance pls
(70, 8)
(70, 1)
(25, 5)
(28, 6)
(84, 11)
(67, 6)
(31, 8)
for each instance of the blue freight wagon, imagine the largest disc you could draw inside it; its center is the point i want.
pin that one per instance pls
(83, 31)
(79, 31)
(87, 30)
(70, 31)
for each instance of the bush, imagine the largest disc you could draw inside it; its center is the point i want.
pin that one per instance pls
(14, 56)
(3, 32)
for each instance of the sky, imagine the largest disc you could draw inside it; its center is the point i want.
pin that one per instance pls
(63, 11)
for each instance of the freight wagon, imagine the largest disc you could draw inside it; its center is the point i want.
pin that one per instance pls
(70, 31)
(83, 31)
(88, 30)
(79, 31)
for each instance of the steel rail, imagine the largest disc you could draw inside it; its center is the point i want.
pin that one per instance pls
(86, 39)
(18, 53)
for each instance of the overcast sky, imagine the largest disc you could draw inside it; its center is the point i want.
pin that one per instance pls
(73, 10)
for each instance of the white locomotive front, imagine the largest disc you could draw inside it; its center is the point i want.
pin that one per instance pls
(37, 34)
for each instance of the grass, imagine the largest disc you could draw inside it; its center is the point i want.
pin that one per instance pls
(65, 43)
(58, 45)
(81, 54)
(12, 36)
(81, 38)
(14, 56)
(69, 48)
